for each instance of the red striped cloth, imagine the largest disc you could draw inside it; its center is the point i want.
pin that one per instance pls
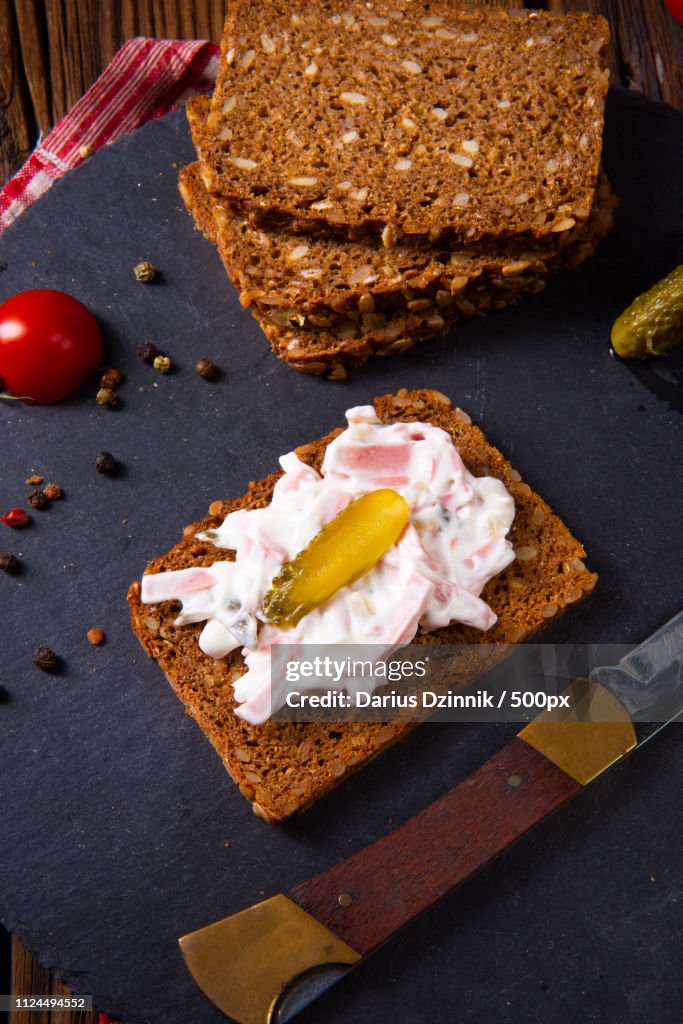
(146, 78)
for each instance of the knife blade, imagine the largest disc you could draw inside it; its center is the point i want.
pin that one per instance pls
(265, 963)
(648, 681)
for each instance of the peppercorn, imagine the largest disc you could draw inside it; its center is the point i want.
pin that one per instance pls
(106, 464)
(46, 660)
(8, 563)
(162, 364)
(95, 636)
(53, 491)
(34, 480)
(106, 398)
(206, 369)
(111, 378)
(38, 499)
(145, 272)
(148, 353)
(16, 517)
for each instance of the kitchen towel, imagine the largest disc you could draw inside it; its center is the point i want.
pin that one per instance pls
(146, 78)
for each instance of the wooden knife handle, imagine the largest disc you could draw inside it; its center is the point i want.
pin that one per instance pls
(373, 893)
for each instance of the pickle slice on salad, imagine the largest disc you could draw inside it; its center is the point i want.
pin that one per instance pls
(653, 323)
(343, 551)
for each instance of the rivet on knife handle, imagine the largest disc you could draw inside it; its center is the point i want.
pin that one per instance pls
(247, 961)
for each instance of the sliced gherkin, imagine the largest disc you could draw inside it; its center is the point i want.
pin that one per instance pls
(343, 551)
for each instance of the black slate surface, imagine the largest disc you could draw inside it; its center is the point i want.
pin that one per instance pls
(116, 814)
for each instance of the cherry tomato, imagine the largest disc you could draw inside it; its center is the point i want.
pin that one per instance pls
(49, 343)
(676, 8)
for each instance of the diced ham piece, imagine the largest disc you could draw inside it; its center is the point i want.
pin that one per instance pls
(171, 586)
(375, 459)
(395, 482)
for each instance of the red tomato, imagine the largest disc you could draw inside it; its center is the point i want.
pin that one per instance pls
(676, 8)
(49, 343)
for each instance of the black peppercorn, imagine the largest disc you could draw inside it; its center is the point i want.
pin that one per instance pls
(111, 378)
(8, 563)
(206, 369)
(38, 499)
(106, 464)
(46, 660)
(148, 353)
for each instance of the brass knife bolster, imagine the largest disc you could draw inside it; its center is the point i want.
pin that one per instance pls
(594, 733)
(245, 963)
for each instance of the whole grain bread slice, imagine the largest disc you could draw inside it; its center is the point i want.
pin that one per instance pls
(282, 767)
(311, 347)
(397, 117)
(324, 282)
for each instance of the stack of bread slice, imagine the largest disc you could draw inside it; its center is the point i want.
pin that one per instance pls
(370, 172)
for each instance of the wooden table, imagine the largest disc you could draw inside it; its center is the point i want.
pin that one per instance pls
(52, 50)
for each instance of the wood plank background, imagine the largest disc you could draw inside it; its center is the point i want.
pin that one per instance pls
(52, 50)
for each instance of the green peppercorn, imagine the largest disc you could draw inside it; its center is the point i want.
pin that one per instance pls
(106, 398)
(162, 364)
(145, 271)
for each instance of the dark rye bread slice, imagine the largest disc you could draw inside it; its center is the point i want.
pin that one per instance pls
(283, 767)
(329, 280)
(445, 123)
(313, 349)
(319, 282)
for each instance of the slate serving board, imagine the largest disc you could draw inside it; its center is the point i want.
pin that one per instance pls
(120, 829)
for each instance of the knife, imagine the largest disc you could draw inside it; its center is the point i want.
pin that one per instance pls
(263, 964)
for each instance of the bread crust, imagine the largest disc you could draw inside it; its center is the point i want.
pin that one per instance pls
(282, 768)
(327, 344)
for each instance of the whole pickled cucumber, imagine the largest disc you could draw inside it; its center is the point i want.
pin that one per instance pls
(653, 323)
